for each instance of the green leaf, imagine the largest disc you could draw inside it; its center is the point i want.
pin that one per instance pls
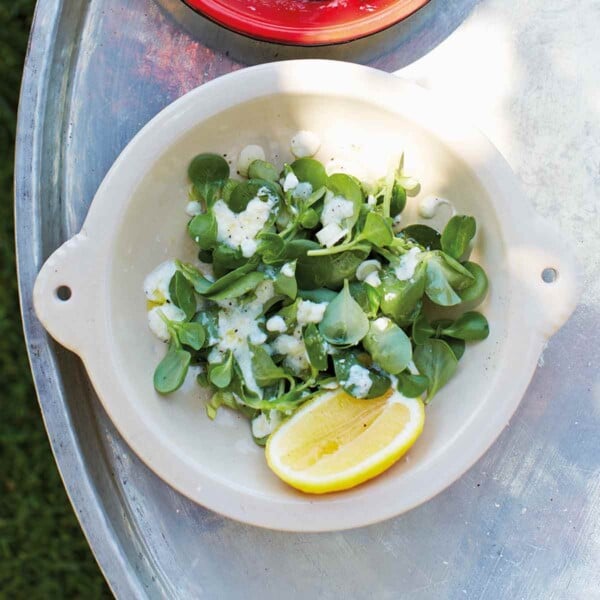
(220, 398)
(315, 347)
(265, 371)
(377, 230)
(438, 288)
(208, 168)
(367, 297)
(401, 300)
(226, 259)
(388, 345)
(321, 295)
(286, 285)
(346, 186)
(344, 362)
(421, 329)
(344, 322)
(474, 293)
(412, 385)
(248, 190)
(182, 294)
(203, 230)
(237, 288)
(309, 218)
(398, 200)
(227, 189)
(457, 235)
(228, 279)
(437, 362)
(457, 346)
(311, 170)
(270, 248)
(313, 272)
(471, 326)
(261, 169)
(191, 334)
(220, 374)
(209, 319)
(424, 236)
(196, 279)
(458, 276)
(172, 369)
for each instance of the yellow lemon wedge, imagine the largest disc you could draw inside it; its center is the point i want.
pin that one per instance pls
(336, 441)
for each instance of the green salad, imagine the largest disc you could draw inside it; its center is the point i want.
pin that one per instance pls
(308, 282)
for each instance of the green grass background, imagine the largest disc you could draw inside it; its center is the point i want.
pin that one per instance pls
(43, 553)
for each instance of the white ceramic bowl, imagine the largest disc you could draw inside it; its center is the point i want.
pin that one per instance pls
(137, 220)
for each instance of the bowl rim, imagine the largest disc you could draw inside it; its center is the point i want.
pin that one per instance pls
(248, 25)
(545, 308)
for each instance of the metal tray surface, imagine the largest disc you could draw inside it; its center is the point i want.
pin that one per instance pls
(525, 521)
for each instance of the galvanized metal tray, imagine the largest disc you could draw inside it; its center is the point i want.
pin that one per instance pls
(524, 522)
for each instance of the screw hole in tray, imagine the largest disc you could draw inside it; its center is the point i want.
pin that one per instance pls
(549, 275)
(63, 292)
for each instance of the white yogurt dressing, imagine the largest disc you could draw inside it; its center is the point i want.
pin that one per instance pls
(239, 230)
(157, 326)
(156, 283)
(408, 264)
(429, 206)
(359, 380)
(239, 323)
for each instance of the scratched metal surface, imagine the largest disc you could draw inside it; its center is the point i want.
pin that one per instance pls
(525, 521)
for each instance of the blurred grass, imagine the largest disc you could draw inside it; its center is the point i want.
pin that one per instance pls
(43, 553)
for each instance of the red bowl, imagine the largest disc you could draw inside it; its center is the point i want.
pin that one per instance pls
(306, 22)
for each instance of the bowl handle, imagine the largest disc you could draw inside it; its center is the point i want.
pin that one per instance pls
(66, 290)
(550, 272)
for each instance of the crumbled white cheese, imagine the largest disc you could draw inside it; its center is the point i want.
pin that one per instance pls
(366, 268)
(193, 208)
(397, 223)
(330, 234)
(290, 182)
(310, 312)
(302, 190)
(430, 205)
(305, 143)
(373, 279)
(276, 323)
(156, 284)
(294, 350)
(408, 264)
(288, 270)
(359, 381)
(336, 209)
(157, 325)
(263, 425)
(247, 156)
(240, 229)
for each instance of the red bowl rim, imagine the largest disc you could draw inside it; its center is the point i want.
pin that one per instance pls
(314, 36)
